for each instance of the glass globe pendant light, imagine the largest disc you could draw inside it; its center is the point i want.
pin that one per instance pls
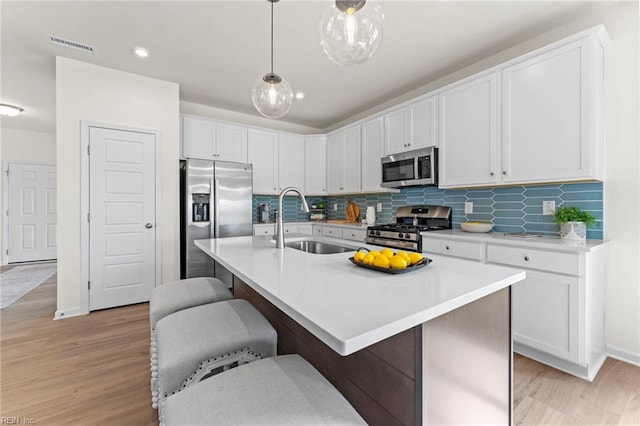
(351, 31)
(272, 95)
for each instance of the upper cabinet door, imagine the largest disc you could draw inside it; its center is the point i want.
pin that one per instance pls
(335, 163)
(315, 172)
(395, 128)
(468, 133)
(291, 161)
(546, 116)
(372, 152)
(231, 143)
(198, 138)
(352, 159)
(423, 116)
(263, 154)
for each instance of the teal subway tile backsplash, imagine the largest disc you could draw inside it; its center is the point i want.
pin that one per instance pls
(511, 209)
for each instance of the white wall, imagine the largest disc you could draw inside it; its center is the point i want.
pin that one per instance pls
(622, 175)
(98, 94)
(23, 146)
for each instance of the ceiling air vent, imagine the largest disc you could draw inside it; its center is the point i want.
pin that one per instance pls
(72, 44)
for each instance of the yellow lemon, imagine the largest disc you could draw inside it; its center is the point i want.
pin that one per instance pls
(415, 258)
(386, 252)
(358, 256)
(374, 253)
(398, 262)
(405, 256)
(381, 262)
(368, 259)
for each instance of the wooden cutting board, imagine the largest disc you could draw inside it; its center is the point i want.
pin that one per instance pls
(352, 212)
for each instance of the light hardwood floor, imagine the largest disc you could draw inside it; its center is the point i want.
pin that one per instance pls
(94, 370)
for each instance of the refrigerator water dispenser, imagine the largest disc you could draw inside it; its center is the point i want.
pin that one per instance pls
(200, 207)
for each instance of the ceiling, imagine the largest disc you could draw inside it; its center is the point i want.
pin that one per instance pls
(216, 50)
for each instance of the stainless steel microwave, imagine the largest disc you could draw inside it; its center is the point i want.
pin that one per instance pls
(410, 168)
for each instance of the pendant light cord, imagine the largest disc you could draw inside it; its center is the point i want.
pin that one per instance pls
(271, 37)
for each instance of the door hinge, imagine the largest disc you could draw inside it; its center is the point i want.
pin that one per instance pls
(88, 217)
(88, 149)
(7, 172)
(7, 252)
(89, 284)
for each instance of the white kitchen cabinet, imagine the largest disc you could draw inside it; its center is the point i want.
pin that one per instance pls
(332, 231)
(464, 249)
(558, 310)
(372, 152)
(305, 228)
(290, 161)
(264, 229)
(316, 229)
(550, 122)
(411, 127)
(468, 133)
(550, 127)
(263, 154)
(343, 161)
(213, 140)
(354, 234)
(315, 172)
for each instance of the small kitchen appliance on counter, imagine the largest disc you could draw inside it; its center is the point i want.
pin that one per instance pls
(264, 213)
(410, 222)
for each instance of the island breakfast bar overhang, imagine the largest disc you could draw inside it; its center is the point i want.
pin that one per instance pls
(432, 346)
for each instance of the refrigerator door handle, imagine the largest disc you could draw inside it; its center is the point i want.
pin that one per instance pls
(216, 206)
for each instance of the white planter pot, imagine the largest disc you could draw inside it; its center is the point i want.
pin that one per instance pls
(371, 215)
(575, 231)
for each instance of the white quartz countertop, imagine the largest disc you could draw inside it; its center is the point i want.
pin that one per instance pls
(349, 307)
(549, 243)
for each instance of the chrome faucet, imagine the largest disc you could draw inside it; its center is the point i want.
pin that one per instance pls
(279, 227)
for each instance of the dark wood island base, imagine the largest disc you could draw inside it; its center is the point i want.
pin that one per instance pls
(453, 369)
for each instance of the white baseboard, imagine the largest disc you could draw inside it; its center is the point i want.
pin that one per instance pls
(623, 355)
(68, 313)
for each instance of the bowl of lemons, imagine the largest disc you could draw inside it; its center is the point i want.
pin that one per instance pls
(386, 260)
(476, 226)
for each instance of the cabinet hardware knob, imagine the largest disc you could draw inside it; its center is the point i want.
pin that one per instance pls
(504, 172)
(491, 174)
(447, 247)
(526, 258)
(148, 225)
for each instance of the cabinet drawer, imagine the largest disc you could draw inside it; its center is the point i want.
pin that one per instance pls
(354, 234)
(290, 229)
(264, 230)
(332, 231)
(467, 250)
(548, 261)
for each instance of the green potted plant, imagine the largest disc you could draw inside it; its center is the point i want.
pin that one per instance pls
(573, 222)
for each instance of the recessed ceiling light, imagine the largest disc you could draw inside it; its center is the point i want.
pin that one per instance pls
(141, 52)
(299, 95)
(10, 110)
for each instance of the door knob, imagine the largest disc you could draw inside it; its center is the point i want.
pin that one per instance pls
(148, 225)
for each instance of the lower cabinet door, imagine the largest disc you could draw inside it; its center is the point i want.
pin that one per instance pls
(546, 314)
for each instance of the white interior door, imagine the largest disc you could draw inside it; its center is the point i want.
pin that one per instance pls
(31, 212)
(122, 236)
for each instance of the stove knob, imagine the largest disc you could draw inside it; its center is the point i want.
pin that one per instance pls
(407, 236)
(377, 232)
(400, 235)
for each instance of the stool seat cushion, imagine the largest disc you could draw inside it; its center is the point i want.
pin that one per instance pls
(285, 390)
(188, 337)
(177, 295)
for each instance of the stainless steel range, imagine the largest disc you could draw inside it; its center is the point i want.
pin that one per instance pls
(410, 222)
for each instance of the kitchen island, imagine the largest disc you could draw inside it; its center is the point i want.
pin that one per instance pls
(429, 346)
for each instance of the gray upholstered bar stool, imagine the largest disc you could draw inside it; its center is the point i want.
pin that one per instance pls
(197, 342)
(175, 296)
(285, 390)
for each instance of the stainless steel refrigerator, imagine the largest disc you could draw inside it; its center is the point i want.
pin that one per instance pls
(215, 203)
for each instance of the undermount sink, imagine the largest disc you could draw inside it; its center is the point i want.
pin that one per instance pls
(317, 247)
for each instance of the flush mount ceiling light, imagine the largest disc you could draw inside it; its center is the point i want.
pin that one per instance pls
(351, 31)
(10, 110)
(272, 95)
(141, 52)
